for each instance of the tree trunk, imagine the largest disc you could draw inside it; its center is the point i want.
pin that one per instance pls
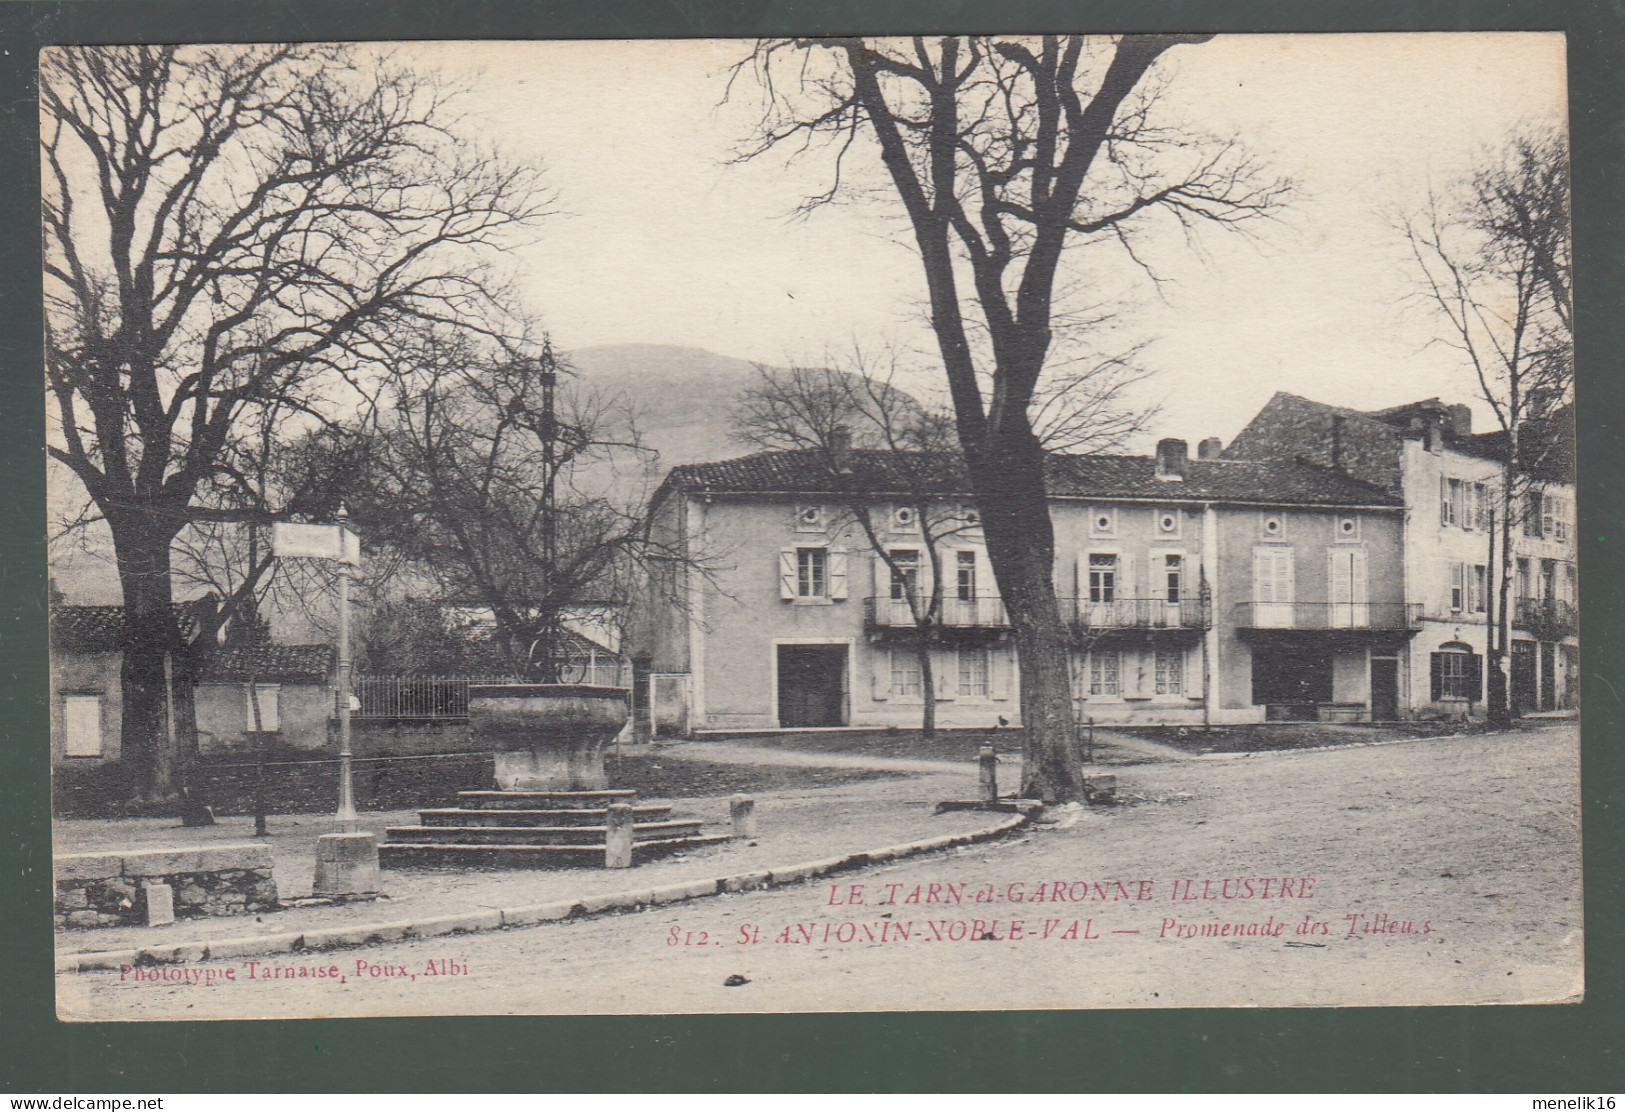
(1499, 711)
(928, 687)
(150, 632)
(1009, 479)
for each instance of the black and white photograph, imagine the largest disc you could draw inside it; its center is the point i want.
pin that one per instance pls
(952, 523)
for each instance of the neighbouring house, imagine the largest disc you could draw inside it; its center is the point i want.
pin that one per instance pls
(1196, 590)
(87, 654)
(1450, 480)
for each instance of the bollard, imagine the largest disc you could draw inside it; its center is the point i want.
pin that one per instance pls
(160, 904)
(742, 816)
(347, 865)
(618, 836)
(989, 761)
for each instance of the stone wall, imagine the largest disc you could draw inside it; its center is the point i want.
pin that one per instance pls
(109, 889)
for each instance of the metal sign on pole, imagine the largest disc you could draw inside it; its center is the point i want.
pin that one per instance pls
(337, 543)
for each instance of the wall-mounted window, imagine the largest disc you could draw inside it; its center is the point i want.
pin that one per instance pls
(82, 725)
(1168, 523)
(905, 519)
(1347, 528)
(1451, 510)
(1103, 673)
(965, 576)
(1170, 671)
(905, 574)
(1457, 673)
(1478, 589)
(1102, 577)
(1173, 573)
(270, 699)
(1271, 526)
(812, 573)
(809, 519)
(973, 672)
(1102, 522)
(905, 674)
(1533, 513)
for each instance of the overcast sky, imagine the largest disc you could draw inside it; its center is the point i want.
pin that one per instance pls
(661, 241)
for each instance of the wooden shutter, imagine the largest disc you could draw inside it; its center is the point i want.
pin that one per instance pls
(1444, 500)
(880, 673)
(1436, 674)
(1475, 678)
(999, 662)
(787, 573)
(837, 573)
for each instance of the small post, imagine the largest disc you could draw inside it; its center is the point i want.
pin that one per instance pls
(742, 816)
(618, 836)
(160, 904)
(989, 761)
(347, 865)
(1089, 749)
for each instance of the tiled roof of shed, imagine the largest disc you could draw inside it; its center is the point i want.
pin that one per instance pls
(268, 663)
(1114, 477)
(100, 629)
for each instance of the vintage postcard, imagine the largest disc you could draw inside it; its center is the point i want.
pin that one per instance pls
(811, 525)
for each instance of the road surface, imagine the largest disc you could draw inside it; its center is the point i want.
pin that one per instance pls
(1440, 871)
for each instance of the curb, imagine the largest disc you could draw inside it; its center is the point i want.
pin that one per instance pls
(1324, 748)
(366, 934)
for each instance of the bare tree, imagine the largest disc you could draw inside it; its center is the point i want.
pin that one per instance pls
(1004, 152)
(511, 488)
(1492, 262)
(227, 229)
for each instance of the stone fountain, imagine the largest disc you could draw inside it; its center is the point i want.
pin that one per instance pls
(552, 798)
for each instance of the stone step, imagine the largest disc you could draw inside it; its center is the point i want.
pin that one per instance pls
(408, 855)
(571, 801)
(503, 816)
(535, 835)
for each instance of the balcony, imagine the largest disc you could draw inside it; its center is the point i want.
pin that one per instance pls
(1090, 619)
(1375, 617)
(1548, 619)
(978, 612)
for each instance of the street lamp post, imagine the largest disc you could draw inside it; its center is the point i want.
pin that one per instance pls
(346, 818)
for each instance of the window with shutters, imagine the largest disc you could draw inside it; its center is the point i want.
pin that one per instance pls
(1561, 513)
(1477, 589)
(812, 574)
(1272, 587)
(1450, 507)
(973, 672)
(82, 725)
(1170, 672)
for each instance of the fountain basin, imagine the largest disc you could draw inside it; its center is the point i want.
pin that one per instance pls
(547, 736)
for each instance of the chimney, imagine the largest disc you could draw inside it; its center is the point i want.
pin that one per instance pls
(1338, 423)
(1435, 438)
(1211, 448)
(1172, 456)
(1461, 421)
(840, 449)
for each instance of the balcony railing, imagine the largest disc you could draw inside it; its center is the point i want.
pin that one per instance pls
(1328, 615)
(1095, 616)
(1549, 619)
(979, 612)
